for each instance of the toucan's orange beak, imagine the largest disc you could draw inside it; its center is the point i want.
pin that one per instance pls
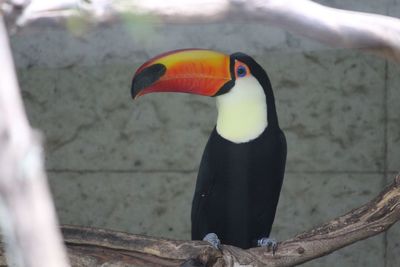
(194, 71)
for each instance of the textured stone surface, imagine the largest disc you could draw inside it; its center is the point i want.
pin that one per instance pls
(331, 109)
(91, 122)
(136, 41)
(393, 145)
(153, 203)
(394, 104)
(331, 112)
(308, 200)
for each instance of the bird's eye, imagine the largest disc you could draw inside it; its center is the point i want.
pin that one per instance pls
(241, 71)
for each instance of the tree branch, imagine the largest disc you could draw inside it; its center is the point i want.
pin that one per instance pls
(334, 27)
(94, 247)
(27, 216)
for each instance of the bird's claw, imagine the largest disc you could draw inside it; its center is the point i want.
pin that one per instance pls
(269, 243)
(213, 239)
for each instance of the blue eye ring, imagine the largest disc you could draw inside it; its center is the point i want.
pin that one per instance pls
(241, 71)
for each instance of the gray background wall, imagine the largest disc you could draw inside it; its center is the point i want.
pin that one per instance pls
(132, 166)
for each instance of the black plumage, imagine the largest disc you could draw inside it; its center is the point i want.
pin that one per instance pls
(239, 184)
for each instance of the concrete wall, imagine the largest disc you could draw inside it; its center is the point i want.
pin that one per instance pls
(132, 166)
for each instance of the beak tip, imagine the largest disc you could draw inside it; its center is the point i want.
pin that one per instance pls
(146, 78)
(134, 93)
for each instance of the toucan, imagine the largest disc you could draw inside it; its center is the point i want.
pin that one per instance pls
(242, 168)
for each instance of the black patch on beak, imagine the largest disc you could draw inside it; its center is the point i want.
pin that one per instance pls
(225, 88)
(147, 77)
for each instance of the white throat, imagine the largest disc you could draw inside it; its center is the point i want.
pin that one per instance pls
(242, 112)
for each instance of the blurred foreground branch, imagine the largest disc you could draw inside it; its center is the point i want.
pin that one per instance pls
(26, 210)
(98, 247)
(334, 27)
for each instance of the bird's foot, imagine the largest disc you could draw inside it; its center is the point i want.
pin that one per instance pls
(270, 243)
(213, 239)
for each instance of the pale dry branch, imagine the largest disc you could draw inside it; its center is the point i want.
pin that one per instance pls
(334, 27)
(27, 214)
